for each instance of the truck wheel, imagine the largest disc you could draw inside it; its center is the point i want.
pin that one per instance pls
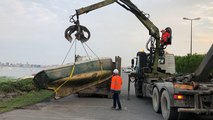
(156, 100)
(168, 112)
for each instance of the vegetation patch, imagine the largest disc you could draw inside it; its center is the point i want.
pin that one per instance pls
(18, 93)
(24, 100)
(9, 86)
(189, 63)
(6, 79)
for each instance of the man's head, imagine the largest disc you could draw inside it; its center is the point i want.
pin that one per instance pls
(163, 31)
(115, 71)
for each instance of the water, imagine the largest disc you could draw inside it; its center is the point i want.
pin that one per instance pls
(18, 72)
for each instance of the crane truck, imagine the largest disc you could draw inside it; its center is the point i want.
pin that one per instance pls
(153, 73)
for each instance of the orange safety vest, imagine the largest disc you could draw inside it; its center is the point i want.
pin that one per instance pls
(116, 83)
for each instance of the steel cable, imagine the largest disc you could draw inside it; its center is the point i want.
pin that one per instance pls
(85, 51)
(92, 51)
(68, 52)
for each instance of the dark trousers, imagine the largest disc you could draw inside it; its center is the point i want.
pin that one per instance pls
(116, 100)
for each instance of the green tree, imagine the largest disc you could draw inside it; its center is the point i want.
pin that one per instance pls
(188, 63)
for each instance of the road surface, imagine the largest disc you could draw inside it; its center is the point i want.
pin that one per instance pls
(91, 108)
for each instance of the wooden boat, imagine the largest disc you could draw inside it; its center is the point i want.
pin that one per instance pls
(71, 78)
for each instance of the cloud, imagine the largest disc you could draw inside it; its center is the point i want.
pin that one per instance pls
(204, 27)
(35, 28)
(29, 30)
(26, 19)
(205, 11)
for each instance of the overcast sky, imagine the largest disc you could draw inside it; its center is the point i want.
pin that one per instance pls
(33, 30)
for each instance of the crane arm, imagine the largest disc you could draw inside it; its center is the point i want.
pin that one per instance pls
(128, 5)
(153, 30)
(94, 6)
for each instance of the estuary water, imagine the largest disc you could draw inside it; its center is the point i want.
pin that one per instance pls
(19, 72)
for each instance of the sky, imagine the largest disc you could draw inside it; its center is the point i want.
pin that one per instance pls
(32, 31)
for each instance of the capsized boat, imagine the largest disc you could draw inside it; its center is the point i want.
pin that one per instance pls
(71, 78)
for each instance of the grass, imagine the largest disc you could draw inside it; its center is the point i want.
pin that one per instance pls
(25, 93)
(6, 79)
(25, 100)
(9, 86)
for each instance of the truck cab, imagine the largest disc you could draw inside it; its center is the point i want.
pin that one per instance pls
(143, 62)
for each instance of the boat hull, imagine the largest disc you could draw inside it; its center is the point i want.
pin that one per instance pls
(85, 74)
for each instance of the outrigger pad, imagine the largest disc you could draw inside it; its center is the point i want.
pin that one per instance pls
(80, 33)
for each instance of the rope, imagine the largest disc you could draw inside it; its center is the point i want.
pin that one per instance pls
(101, 69)
(97, 57)
(73, 68)
(75, 52)
(72, 71)
(86, 51)
(68, 52)
(92, 51)
(98, 60)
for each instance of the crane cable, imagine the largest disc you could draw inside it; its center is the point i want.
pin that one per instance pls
(92, 51)
(73, 67)
(86, 51)
(72, 71)
(99, 62)
(68, 52)
(98, 59)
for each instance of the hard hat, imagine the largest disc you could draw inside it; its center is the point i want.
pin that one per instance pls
(115, 71)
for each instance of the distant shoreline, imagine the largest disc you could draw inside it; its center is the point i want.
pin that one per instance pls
(19, 72)
(26, 65)
(33, 66)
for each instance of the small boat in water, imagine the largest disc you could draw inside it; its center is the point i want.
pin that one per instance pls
(72, 78)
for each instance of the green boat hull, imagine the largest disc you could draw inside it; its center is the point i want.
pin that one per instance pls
(68, 79)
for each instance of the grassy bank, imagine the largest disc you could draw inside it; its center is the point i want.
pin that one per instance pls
(5, 79)
(24, 100)
(19, 93)
(16, 86)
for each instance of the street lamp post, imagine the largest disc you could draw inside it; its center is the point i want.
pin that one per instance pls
(191, 30)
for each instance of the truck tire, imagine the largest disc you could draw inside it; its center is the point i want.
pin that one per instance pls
(168, 112)
(156, 100)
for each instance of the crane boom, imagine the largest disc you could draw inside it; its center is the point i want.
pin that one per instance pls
(127, 4)
(94, 6)
(144, 19)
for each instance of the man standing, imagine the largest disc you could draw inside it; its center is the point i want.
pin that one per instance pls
(116, 84)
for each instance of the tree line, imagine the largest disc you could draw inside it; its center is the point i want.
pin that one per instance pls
(188, 63)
